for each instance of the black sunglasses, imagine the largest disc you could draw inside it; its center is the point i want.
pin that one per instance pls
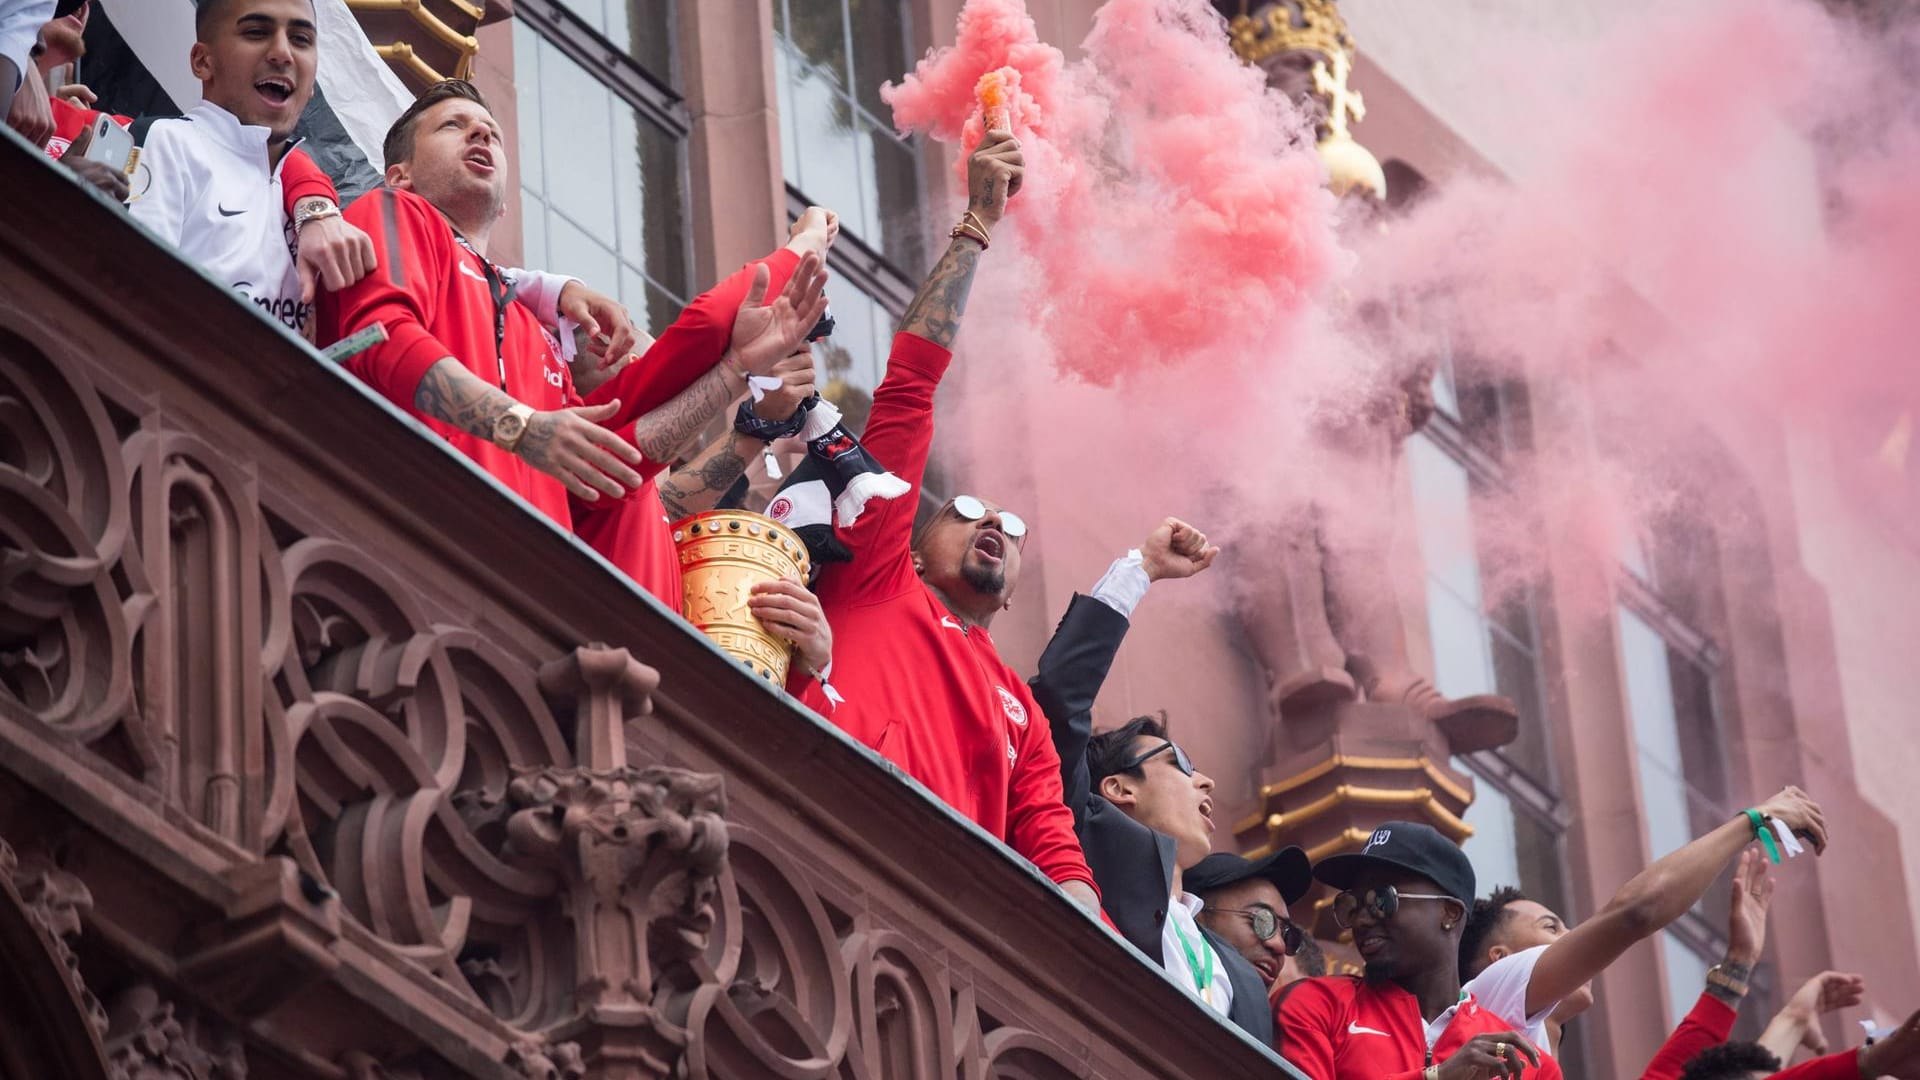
(1267, 922)
(1180, 759)
(1379, 903)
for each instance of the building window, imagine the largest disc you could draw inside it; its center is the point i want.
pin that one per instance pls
(603, 169)
(837, 141)
(838, 149)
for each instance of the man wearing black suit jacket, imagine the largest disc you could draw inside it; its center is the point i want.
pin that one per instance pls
(1141, 810)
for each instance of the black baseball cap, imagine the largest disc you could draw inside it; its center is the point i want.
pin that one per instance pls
(1406, 845)
(1286, 868)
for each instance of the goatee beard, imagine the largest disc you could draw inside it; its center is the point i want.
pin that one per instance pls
(986, 580)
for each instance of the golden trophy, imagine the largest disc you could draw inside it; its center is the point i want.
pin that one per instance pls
(723, 555)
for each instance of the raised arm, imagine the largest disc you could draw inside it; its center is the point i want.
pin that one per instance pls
(699, 484)
(1657, 896)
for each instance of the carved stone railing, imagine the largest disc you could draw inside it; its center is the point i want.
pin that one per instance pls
(321, 756)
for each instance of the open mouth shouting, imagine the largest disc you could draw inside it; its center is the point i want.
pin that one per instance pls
(991, 546)
(480, 160)
(275, 90)
(1206, 813)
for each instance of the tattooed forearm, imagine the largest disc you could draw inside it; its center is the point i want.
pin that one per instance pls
(1738, 973)
(661, 433)
(936, 310)
(450, 393)
(699, 484)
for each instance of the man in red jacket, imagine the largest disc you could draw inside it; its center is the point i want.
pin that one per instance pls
(476, 367)
(1405, 896)
(923, 684)
(1896, 1056)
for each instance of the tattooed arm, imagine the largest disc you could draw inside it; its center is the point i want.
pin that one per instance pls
(699, 484)
(567, 444)
(994, 173)
(661, 433)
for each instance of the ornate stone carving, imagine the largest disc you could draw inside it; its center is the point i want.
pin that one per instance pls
(150, 1040)
(538, 1060)
(58, 901)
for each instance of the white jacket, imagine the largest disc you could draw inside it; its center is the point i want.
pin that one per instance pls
(210, 192)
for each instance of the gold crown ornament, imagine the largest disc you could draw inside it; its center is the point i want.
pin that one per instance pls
(1317, 28)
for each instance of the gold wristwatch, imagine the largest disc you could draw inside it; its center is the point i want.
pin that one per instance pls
(511, 426)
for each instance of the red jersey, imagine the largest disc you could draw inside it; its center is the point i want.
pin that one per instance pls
(924, 690)
(1709, 1024)
(1338, 1027)
(633, 532)
(433, 295)
(1841, 1066)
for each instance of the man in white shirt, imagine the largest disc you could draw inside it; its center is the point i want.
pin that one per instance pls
(1524, 964)
(211, 180)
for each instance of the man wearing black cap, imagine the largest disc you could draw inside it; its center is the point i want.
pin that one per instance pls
(1405, 896)
(1142, 812)
(1244, 903)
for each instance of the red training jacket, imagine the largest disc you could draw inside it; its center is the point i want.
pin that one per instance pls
(433, 296)
(1339, 1027)
(633, 532)
(1709, 1024)
(929, 694)
(1842, 1066)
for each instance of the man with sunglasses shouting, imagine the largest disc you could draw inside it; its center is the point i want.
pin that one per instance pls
(920, 679)
(1405, 896)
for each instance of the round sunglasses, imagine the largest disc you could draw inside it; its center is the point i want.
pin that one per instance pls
(1379, 903)
(1266, 923)
(972, 509)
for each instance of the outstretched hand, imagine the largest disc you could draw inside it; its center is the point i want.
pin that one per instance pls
(571, 446)
(1176, 549)
(1826, 992)
(765, 332)
(1747, 904)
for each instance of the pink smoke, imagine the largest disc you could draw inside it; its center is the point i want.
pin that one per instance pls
(1172, 204)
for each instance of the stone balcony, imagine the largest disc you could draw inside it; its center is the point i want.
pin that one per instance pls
(323, 757)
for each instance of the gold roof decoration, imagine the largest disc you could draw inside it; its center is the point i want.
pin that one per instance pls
(1312, 25)
(1316, 27)
(424, 41)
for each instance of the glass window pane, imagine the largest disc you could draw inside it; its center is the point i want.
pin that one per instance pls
(827, 158)
(890, 181)
(1686, 976)
(1442, 514)
(573, 252)
(591, 12)
(646, 29)
(818, 29)
(526, 58)
(1462, 662)
(533, 232)
(783, 77)
(879, 49)
(578, 113)
(1494, 846)
(1649, 686)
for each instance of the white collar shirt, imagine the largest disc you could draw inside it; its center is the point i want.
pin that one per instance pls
(1178, 934)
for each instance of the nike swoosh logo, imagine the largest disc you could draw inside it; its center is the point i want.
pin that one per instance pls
(1356, 1029)
(224, 212)
(472, 273)
(948, 621)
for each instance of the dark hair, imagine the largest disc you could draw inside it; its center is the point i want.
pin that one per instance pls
(1730, 1061)
(204, 12)
(399, 142)
(1107, 751)
(1483, 919)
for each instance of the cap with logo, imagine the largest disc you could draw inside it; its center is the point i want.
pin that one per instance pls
(1286, 868)
(1405, 845)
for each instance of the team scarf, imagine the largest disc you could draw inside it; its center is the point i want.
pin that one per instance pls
(832, 486)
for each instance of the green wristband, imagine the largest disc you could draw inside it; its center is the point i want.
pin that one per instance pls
(1763, 834)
